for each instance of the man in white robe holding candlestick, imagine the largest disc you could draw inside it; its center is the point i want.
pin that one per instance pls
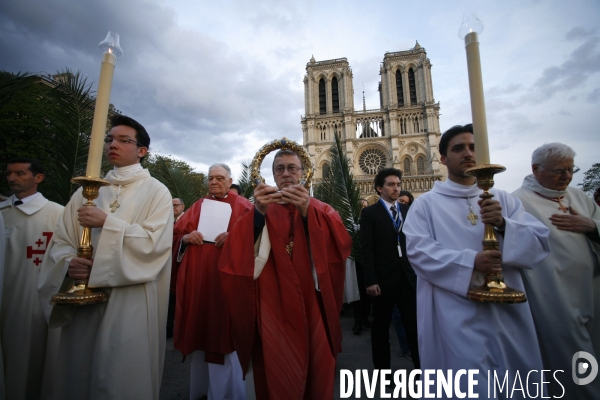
(443, 240)
(115, 349)
(564, 289)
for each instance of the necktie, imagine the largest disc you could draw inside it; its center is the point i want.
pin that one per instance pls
(395, 215)
(17, 203)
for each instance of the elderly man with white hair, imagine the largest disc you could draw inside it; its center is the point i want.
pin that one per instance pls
(564, 289)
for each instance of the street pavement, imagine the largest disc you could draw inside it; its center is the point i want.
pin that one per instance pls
(356, 354)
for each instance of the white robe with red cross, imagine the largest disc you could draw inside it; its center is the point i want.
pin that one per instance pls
(28, 228)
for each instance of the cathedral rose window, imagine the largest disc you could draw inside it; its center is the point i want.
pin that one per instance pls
(371, 161)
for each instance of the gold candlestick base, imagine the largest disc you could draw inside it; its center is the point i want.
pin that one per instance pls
(494, 290)
(79, 293)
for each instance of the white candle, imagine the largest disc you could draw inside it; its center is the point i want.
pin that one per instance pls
(482, 152)
(100, 115)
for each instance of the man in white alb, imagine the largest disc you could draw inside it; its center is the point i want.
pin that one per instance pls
(564, 289)
(443, 240)
(114, 350)
(29, 219)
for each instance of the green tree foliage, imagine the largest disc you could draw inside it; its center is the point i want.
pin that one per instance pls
(178, 177)
(591, 179)
(339, 190)
(245, 182)
(51, 120)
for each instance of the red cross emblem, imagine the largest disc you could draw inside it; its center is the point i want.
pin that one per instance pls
(37, 254)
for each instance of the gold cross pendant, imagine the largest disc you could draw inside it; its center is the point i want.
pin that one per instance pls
(114, 206)
(561, 207)
(473, 218)
(289, 248)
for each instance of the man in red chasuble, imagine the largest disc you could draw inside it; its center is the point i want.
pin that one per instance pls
(202, 323)
(285, 262)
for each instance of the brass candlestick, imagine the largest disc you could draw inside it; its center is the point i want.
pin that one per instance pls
(79, 293)
(494, 290)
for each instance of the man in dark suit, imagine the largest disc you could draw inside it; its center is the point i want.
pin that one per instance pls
(389, 277)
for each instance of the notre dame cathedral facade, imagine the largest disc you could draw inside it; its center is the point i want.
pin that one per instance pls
(403, 133)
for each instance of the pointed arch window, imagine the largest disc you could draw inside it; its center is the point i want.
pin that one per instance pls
(399, 91)
(322, 97)
(421, 166)
(412, 87)
(326, 171)
(407, 165)
(335, 98)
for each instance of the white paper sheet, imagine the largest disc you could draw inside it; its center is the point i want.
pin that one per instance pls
(214, 219)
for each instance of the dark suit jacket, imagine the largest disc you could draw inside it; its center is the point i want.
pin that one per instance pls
(379, 244)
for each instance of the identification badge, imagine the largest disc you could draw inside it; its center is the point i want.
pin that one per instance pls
(399, 250)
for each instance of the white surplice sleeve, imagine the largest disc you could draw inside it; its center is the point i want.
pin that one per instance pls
(443, 267)
(134, 253)
(525, 242)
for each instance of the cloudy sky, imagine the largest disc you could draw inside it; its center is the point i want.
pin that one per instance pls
(214, 81)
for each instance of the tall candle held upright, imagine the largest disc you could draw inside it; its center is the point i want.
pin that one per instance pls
(112, 50)
(470, 30)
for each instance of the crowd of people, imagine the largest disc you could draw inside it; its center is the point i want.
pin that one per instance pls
(252, 292)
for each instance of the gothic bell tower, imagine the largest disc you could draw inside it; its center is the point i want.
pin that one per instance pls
(403, 133)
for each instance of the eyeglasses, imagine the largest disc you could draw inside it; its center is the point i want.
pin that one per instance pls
(110, 139)
(561, 171)
(292, 169)
(177, 205)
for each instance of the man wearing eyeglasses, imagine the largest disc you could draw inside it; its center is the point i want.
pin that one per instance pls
(564, 289)
(202, 321)
(113, 349)
(286, 261)
(178, 208)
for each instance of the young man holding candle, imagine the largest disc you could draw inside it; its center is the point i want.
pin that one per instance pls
(113, 349)
(443, 240)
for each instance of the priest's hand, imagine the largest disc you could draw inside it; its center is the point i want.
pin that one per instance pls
(488, 262)
(298, 196)
(491, 213)
(91, 217)
(193, 237)
(573, 222)
(220, 239)
(374, 290)
(265, 195)
(79, 268)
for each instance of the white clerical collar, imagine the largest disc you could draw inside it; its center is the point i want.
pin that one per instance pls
(126, 172)
(531, 183)
(27, 199)
(451, 188)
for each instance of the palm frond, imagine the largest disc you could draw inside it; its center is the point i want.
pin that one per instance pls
(339, 190)
(244, 181)
(73, 125)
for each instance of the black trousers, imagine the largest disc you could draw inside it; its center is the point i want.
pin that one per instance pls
(361, 309)
(405, 297)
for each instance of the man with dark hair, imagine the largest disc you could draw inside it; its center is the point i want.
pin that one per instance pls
(389, 277)
(113, 349)
(285, 262)
(235, 188)
(443, 241)
(29, 220)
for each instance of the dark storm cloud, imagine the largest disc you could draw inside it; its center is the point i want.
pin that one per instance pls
(197, 98)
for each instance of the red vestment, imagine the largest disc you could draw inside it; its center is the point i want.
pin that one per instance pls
(290, 330)
(202, 321)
